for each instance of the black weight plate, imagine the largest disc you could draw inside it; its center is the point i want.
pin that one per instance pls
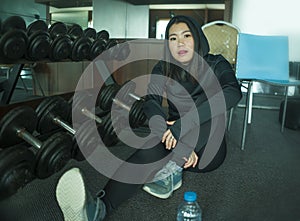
(13, 22)
(136, 114)
(127, 88)
(53, 155)
(97, 47)
(57, 29)
(107, 93)
(81, 100)
(38, 25)
(17, 118)
(41, 110)
(111, 43)
(103, 34)
(122, 51)
(13, 44)
(16, 169)
(60, 48)
(81, 49)
(107, 125)
(43, 106)
(90, 33)
(107, 130)
(38, 46)
(75, 31)
(85, 137)
(58, 107)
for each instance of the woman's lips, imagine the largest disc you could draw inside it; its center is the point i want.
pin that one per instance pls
(182, 52)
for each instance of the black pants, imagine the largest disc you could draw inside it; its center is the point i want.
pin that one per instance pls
(117, 192)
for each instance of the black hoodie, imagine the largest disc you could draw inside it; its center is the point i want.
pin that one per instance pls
(208, 87)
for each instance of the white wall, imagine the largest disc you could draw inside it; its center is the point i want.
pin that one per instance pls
(270, 17)
(121, 19)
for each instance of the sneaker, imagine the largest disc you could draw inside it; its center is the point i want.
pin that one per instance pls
(75, 202)
(167, 180)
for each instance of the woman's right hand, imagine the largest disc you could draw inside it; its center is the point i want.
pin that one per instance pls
(168, 137)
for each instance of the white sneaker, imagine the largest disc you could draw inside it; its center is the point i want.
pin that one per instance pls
(71, 195)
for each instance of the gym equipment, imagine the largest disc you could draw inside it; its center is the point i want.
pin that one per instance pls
(50, 155)
(51, 110)
(107, 96)
(16, 169)
(103, 34)
(38, 41)
(60, 46)
(90, 33)
(98, 43)
(81, 44)
(118, 51)
(13, 41)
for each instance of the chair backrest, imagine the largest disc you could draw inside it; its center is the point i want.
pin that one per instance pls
(262, 57)
(222, 38)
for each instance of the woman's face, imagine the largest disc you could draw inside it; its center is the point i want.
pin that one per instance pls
(181, 43)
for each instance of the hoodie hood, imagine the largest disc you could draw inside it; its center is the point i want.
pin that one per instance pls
(201, 43)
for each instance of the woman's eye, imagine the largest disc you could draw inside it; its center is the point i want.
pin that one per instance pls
(187, 35)
(172, 39)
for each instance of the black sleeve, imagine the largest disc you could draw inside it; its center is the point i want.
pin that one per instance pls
(153, 100)
(230, 89)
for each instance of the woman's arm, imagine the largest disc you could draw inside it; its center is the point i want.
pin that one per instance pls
(230, 89)
(153, 101)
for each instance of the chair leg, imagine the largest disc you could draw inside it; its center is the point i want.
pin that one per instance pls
(230, 118)
(246, 115)
(250, 103)
(284, 108)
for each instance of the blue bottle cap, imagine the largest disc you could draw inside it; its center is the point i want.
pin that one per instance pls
(190, 196)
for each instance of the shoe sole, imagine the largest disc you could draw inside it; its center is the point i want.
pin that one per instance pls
(163, 196)
(71, 195)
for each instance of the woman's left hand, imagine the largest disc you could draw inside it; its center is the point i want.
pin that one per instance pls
(191, 161)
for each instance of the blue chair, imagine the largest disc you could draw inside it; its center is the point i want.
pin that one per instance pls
(262, 59)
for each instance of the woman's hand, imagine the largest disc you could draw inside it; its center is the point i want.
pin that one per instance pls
(191, 161)
(168, 137)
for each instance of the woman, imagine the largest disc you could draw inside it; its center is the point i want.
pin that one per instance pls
(186, 131)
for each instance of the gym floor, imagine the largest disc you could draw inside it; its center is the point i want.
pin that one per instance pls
(260, 183)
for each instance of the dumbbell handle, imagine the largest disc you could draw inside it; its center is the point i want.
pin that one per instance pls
(121, 104)
(90, 115)
(63, 124)
(29, 138)
(135, 96)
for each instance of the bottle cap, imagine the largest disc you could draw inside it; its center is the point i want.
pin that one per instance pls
(190, 196)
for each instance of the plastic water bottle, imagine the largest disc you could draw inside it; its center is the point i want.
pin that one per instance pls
(189, 209)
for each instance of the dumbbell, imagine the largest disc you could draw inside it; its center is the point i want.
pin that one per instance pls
(107, 96)
(38, 41)
(90, 33)
(60, 46)
(50, 155)
(13, 40)
(81, 44)
(16, 169)
(103, 34)
(50, 114)
(98, 44)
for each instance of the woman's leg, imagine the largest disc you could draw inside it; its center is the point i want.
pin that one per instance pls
(117, 192)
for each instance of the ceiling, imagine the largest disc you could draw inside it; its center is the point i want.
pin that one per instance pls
(66, 3)
(85, 3)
